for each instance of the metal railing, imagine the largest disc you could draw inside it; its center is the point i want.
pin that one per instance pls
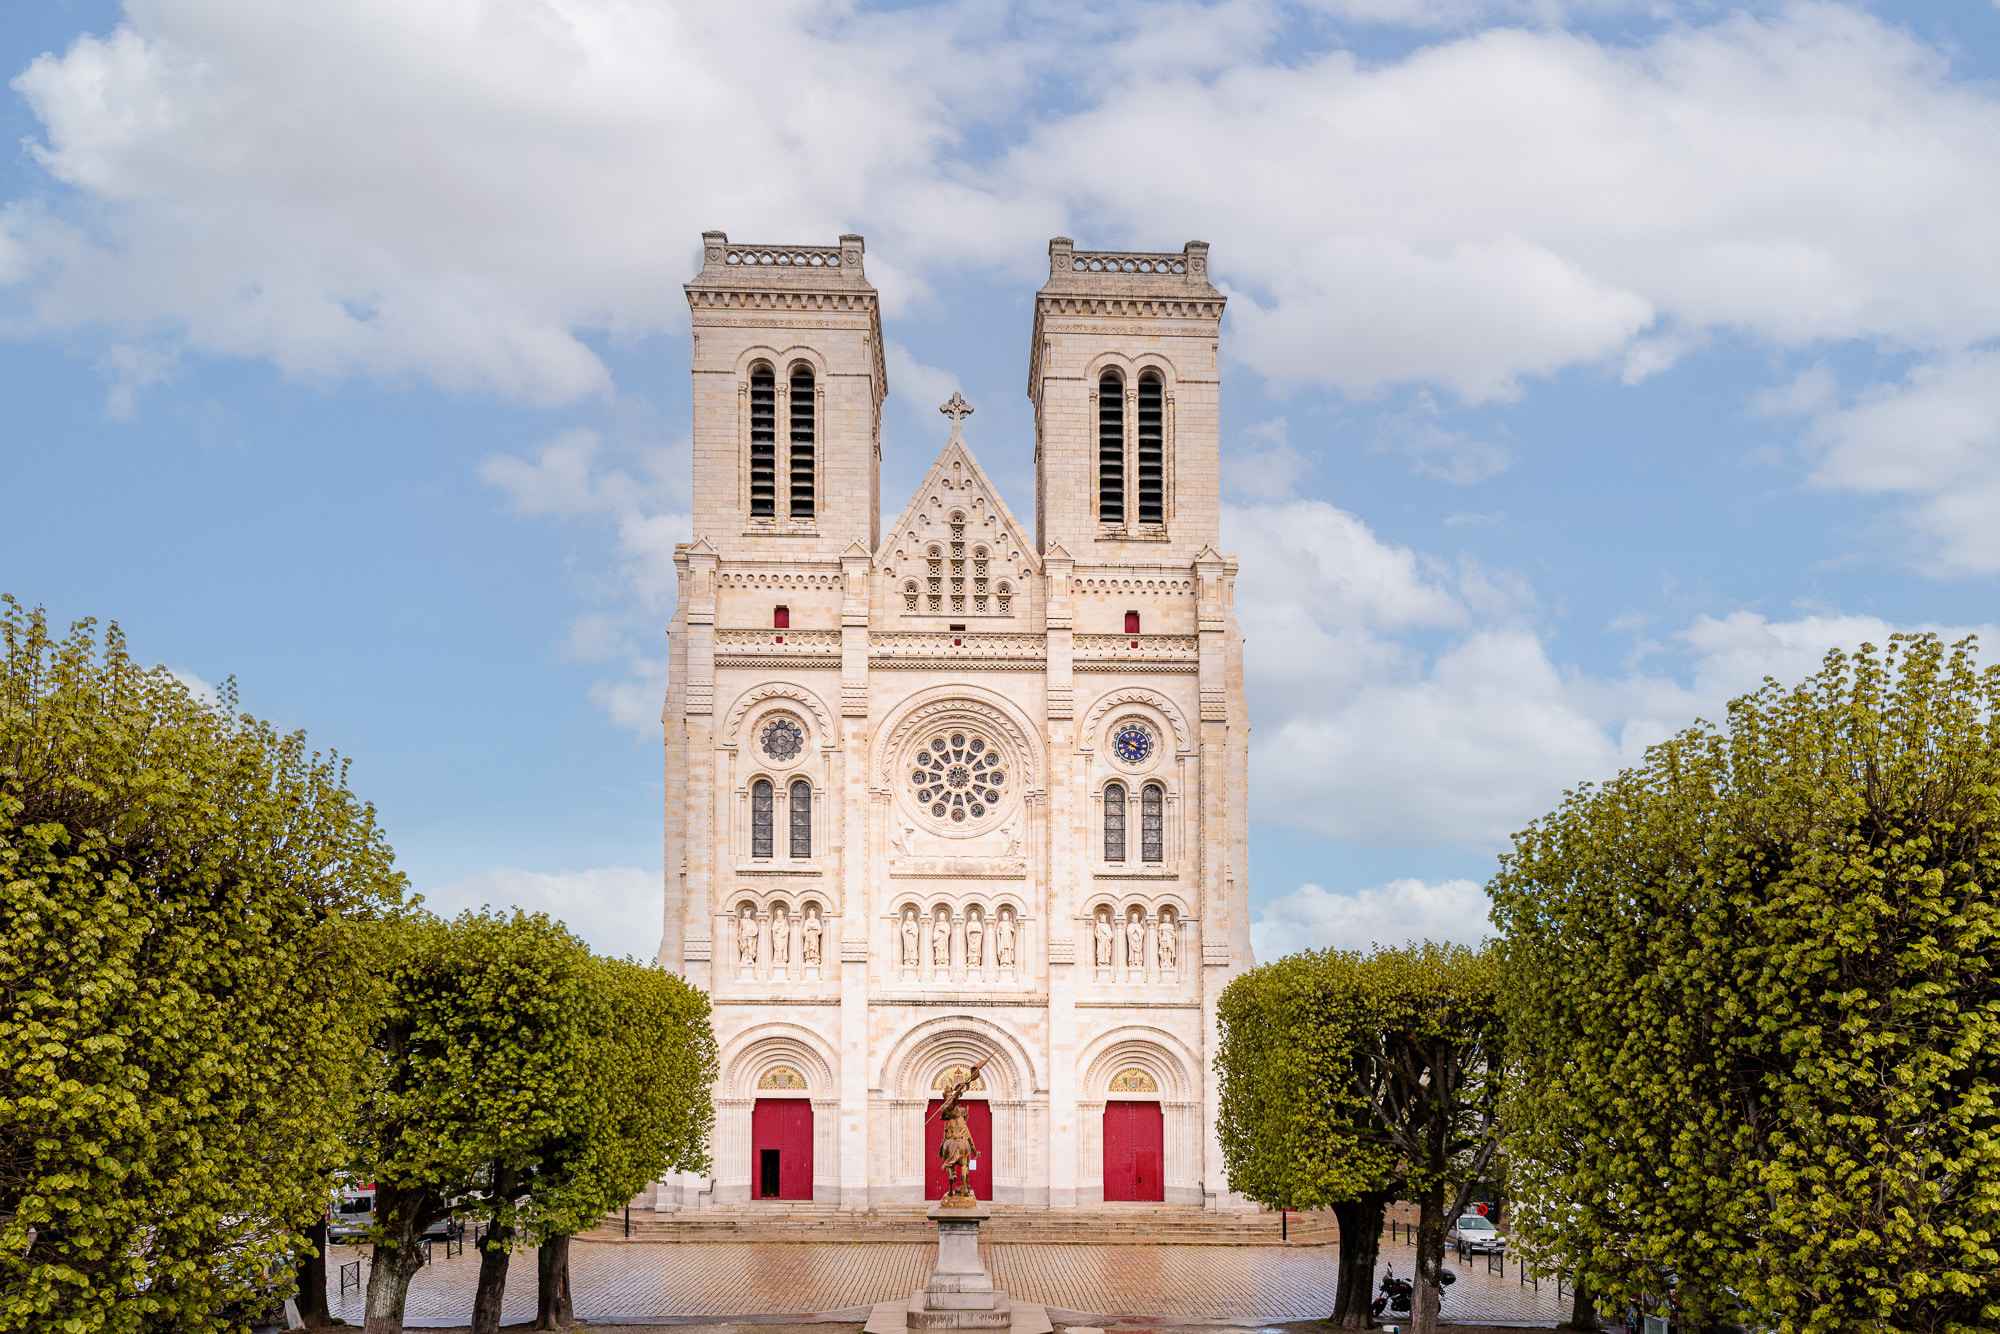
(355, 1267)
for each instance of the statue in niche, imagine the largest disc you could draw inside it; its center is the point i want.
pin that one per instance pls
(1170, 945)
(1106, 938)
(811, 933)
(1135, 941)
(975, 936)
(941, 940)
(781, 936)
(746, 938)
(1003, 939)
(909, 937)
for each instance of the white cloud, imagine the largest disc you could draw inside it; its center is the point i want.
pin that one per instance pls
(615, 909)
(915, 382)
(1933, 438)
(1266, 468)
(1438, 451)
(1812, 391)
(197, 686)
(1401, 912)
(1531, 199)
(131, 367)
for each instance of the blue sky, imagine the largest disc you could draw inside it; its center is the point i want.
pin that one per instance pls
(1586, 361)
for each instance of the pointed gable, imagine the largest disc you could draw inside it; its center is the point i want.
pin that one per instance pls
(957, 554)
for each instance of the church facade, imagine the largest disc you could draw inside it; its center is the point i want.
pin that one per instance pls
(958, 789)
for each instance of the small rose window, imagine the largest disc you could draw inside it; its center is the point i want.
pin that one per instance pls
(957, 777)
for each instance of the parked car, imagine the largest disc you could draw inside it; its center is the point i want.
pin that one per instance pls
(352, 1212)
(1477, 1235)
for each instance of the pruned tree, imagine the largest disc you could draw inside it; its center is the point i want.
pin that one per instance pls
(1758, 968)
(181, 1005)
(1295, 1118)
(479, 1053)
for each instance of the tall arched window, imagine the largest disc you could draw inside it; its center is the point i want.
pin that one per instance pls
(804, 409)
(1152, 449)
(1110, 448)
(802, 818)
(763, 442)
(1114, 822)
(760, 818)
(1152, 823)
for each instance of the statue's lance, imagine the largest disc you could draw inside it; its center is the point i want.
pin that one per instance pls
(970, 1076)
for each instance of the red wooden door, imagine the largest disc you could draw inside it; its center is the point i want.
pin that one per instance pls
(979, 1120)
(1134, 1149)
(782, 1127)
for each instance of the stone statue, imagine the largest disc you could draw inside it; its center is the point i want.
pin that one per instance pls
(1135, 942)
(956, 1150)
(1107, 937)
(903, 844)
(909, 937)
(746, 938)
(1170, 945)
(975, 936)
(781, 937)
(1003, 940)
(812, 934)
(941, 940)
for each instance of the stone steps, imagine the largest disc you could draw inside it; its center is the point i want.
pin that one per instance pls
(1136, 1225)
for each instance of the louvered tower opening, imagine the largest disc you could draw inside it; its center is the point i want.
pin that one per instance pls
(802, 442)
(763, 443)
(1152, 450)
(1110, 449)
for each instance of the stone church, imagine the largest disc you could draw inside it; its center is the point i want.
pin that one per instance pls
(956, 790)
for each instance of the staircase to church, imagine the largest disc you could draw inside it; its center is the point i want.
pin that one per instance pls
(1104, 1225)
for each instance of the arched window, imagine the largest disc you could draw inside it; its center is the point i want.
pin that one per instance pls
(909, 595)
(1110, 448)
(957, 562)
(760, 818)
(1006, 597)
(1131, 622)
(781, 617)
(763, 442)
(804, 409)
(1152, 823)
(802, 818)
(1114, 822)
(934, 572)
(1152, 449)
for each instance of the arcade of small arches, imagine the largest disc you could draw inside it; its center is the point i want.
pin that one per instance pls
(1137, 941)
(777, 938)
(778, 1104)
(960, 940)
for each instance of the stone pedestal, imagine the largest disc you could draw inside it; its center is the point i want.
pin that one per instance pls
(960, 1293)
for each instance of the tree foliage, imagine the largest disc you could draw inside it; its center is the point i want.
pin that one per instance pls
(178, 887)
(1345, 1079)
(1753, 984)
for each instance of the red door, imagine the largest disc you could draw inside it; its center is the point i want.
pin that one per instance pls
(1134, 1144)
(781, 1149)
(979, 1120)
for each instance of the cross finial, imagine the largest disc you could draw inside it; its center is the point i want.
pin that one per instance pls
(957, 409)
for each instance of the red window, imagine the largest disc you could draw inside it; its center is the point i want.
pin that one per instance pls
(1131, 622)
(781, 617)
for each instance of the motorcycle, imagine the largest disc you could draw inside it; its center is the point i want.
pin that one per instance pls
(1397, 1293)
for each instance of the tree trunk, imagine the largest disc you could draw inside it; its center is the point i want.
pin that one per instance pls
(1582, 1309)
(1360, 1240)
(311, 1296)
(553, 1309)
(1430, 1261)
(494, 1256)
(402, 1216)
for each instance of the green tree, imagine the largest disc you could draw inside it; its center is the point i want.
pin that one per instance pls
(479, 1051)
(1755, 973)
(1296, 1116)
(651, 1068)
(179, 886)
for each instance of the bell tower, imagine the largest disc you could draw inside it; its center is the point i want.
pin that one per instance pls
(1123, 373)
(788, 387)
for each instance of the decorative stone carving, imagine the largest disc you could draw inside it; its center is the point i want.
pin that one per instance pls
(1133, 1080)
(1135, 942)
(1003, 940)
(941, 940)
(781, 937)
(782, 1078)
(811, 937)
(975, 939)
(1106, 938)
(910, 931)
(1170, 945)
(746, 938)
(954, 1074)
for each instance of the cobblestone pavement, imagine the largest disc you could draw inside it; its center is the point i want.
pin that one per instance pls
(628, 1283)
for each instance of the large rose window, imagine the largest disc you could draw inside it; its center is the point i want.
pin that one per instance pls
(958, 778)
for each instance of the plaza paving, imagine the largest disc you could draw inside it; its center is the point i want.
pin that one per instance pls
(638, 1282)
